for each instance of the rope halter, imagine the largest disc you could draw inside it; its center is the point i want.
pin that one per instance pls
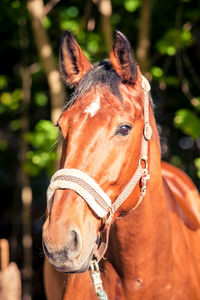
(91, 192)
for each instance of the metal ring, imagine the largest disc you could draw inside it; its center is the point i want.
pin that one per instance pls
(145, 161)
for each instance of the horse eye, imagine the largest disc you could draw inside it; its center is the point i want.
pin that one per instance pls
(123, 130)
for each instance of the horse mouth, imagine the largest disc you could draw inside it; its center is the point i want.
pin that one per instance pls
(60, 261)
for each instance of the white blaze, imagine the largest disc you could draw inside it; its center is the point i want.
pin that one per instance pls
(93, 108)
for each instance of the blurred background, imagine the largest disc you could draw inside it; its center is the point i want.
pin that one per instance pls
(165, 37)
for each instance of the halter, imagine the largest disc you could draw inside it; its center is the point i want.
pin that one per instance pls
(91, 192)
(97, 199)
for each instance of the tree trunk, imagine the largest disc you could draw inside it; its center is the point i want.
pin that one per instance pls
(57, 93)
(144, 36)
(105, 8)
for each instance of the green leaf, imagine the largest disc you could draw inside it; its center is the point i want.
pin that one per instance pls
(41, 157)
(171, 80)
(6, 98)
(15, 125)
(44, 135)
(93, 46)
(156, 72)
(3, 145)
(15, 4)
(197, 165)
(11, 101)
(3, 82)
(176, 161)
(173, 40)
(41, 99)
(188, 122)
(71, 25)
(116, 19)
(17, 94)
(132, 5)
(46, 23)
(70, 12)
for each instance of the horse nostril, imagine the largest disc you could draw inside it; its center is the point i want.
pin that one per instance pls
(75, 239)
(74, 244)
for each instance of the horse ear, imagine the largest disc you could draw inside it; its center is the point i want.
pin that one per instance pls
(123, 60)
(73, 63)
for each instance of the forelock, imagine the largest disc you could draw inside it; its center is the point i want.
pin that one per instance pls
(102, 74)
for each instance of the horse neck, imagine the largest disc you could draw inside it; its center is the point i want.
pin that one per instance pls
(140, 242)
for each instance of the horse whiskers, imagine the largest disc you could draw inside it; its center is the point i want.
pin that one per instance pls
(43, 216)
(53, 146)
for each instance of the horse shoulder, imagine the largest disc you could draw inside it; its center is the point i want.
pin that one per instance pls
(182, 195)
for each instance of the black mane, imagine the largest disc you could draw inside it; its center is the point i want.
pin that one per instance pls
(102, 73)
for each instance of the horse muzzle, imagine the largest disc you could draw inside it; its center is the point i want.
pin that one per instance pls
(68, 258)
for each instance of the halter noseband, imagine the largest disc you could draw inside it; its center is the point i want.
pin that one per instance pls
(91, 192)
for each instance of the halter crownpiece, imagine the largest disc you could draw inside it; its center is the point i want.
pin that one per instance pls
(91, 192)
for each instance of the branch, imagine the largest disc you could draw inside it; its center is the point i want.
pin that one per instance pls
(179, 66)
(105, 9)
(34, 68)
(45, 51)
(144, 35)
(184, 82)
(49, 6)
(191, 70)
(86, 15)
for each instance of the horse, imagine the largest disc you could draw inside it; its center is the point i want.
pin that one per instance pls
(113, 184)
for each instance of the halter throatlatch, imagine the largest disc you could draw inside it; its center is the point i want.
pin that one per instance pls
(91, 192)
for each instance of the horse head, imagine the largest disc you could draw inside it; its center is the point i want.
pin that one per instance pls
(102, 130)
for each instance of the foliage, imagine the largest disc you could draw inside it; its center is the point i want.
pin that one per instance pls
(197, 164)
(188, 122)
(132, 5)
(42, 156)
(10, 101)
(175, 27)
(174, 40)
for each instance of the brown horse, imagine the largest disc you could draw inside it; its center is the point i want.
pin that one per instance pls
(154, 245)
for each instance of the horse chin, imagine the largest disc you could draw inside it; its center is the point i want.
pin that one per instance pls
(75, 269)
(81, 269)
